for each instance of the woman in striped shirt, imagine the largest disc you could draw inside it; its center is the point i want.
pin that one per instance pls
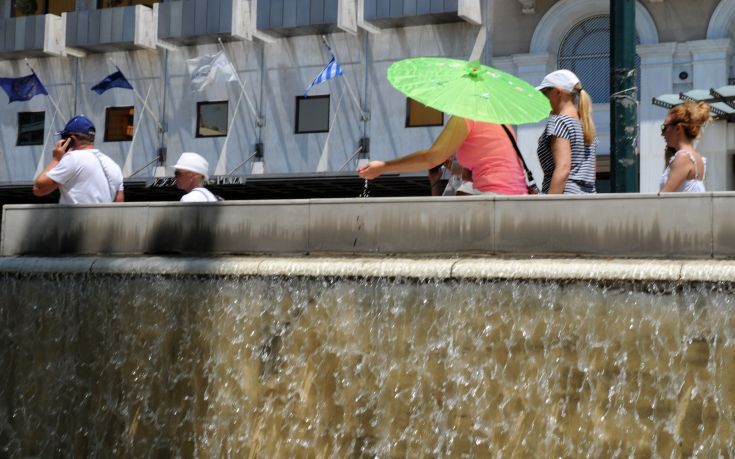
(568, 145)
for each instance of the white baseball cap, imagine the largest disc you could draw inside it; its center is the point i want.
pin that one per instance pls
(193, 162)
(562, 79)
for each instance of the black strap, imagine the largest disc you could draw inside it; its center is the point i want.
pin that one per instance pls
(529, 174)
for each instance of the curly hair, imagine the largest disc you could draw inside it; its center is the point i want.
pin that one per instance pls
(692, 116)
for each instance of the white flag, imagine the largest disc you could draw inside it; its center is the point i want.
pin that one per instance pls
(209, 68)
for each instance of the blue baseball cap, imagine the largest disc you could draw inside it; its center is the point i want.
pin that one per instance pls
(79, 124)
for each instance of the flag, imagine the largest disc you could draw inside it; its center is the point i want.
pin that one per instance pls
(331, 70)
(22, 88)
(209, 68)
(113, 80)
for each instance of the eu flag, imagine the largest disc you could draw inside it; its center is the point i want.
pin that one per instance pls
(22, 88)
(113, 80)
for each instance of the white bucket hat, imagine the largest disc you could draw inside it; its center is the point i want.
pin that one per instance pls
(562, 79)
(193, 162)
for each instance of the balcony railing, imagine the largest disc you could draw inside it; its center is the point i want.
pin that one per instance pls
(31, 36)
(111, 29)
(297, 17)
(395, 13)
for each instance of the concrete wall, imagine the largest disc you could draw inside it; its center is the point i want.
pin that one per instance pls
(635, 226)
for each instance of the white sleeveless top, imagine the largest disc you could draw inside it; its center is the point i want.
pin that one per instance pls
(689, 186)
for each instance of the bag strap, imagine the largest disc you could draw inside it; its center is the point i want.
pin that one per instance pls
(529, 174)
(113, 191)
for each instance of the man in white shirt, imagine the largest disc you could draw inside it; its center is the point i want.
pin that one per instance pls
(192, 170)
(82, 173)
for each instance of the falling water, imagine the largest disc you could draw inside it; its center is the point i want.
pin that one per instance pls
(147, 366)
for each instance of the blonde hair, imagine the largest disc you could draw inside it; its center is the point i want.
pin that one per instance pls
(692, 116)
(584, 107)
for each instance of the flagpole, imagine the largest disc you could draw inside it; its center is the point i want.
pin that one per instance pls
(137, 94)
(53, 102)
(221, 166)
(323, 162)
(242, 85)
(128, 166)
(41, 162)
(347, 82)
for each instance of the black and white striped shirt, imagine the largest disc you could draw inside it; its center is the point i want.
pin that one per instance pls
(582, 173)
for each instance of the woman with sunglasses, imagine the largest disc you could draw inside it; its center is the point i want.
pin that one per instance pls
(568, 145)
(685, 167)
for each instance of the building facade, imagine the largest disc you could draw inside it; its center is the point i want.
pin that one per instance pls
(263, 124)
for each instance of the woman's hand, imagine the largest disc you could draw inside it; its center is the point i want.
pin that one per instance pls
(371, 170)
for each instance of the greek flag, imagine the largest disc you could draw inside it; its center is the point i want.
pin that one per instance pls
(207, 69)
(331, 70)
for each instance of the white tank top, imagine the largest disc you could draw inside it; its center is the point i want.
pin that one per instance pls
(689, 186)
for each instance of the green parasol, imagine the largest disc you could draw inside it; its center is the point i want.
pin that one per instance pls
(469, 89)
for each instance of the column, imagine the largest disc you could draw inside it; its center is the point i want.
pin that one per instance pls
(657, 78)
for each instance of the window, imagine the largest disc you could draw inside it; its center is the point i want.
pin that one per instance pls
(115, 3)
(419, 115)
(586, 52)
(312, 114)
(119, 124)
(30, 128)
(35, 7)
(212, 119)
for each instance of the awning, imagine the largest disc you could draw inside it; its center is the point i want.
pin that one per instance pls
(720, 100)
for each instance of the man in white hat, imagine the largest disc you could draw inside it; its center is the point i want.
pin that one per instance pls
(192, 170)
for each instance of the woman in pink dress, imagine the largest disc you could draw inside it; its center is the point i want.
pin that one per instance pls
(484, 148)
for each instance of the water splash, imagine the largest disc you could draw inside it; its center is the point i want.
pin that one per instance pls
(365, 192)
(274, 367)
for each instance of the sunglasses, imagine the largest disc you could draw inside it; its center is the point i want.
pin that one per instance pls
(665, 126)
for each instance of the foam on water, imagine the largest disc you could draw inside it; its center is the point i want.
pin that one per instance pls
(141, 366)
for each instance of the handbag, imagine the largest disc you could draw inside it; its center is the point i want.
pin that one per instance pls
(530, 182)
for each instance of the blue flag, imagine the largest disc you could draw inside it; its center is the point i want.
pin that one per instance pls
(22, 88)
(331, 70)
(113, 80)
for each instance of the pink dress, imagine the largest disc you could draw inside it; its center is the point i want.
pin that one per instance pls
(489, 154)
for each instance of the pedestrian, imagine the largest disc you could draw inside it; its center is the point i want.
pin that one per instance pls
(685, 167)
(567, 147)
(82, 173)
(191, 172)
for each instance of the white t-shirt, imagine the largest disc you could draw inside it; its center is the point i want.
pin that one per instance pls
(199, 194)
(83, 180)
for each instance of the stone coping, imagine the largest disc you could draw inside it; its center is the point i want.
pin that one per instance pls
(554, 269)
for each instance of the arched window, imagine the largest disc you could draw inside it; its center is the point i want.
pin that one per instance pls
(586, 52)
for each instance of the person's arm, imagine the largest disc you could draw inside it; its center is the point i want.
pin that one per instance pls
(561, 151)
(43, 184)
(450, 139)
(679, 170)
(120, 196)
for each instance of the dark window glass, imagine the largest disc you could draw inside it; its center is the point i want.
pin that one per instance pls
(30, 128)
(115, 3)
(119, 124)
(586, 52)
(212, 119)
(312, 114)
(419, 115)
(35, 7)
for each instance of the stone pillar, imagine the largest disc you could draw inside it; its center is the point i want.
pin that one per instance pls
(710, 68)
(657, 78)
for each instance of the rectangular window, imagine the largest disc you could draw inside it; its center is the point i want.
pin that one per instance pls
(36, 7)
(119, 124)
(115, 3)
(419, 115)
(30, 128)
(312, 114)
(212, 119)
